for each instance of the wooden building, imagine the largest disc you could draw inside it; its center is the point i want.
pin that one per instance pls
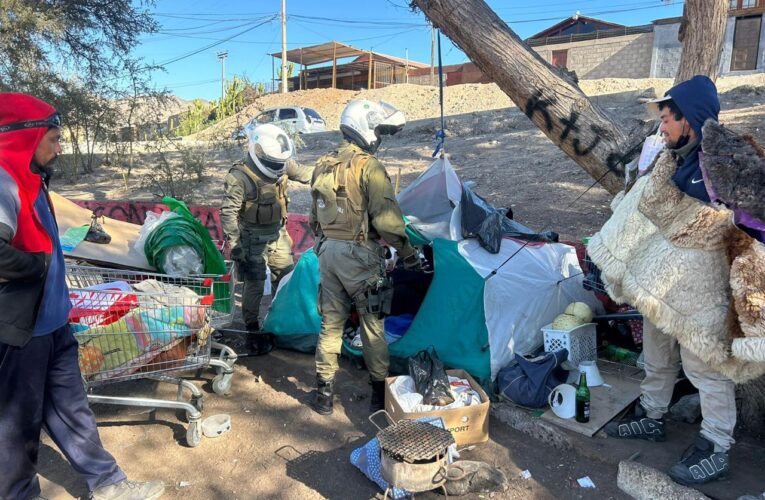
(351, 68)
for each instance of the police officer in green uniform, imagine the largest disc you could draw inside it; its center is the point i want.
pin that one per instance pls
(254, 213)
(353, 207)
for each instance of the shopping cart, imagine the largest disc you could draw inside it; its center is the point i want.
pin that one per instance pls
(135, 325)
(221, 311)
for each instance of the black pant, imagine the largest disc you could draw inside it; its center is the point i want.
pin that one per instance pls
(41, 385)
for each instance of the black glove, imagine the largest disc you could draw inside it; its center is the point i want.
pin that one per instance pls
(413, 263)
(237, 255)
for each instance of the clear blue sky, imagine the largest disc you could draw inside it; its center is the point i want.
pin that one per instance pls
(381, 25)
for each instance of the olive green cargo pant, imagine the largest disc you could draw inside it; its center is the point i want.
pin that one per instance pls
(347, 271)
(259, 252)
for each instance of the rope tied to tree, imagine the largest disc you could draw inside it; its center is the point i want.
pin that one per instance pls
(440, 134)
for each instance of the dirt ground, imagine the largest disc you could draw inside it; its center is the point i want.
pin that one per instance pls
(278, 447)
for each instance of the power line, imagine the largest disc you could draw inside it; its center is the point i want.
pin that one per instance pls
(194, 84)
(546, 7)
(615, 11)
(253, 42)
(209, 46)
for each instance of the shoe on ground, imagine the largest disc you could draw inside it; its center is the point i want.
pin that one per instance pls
(377, 401)
(645, 428)
(260, 343)
(701, 464)
(322, 403)
(130, 490)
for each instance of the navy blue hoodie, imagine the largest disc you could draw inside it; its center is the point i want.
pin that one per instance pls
(697, 100)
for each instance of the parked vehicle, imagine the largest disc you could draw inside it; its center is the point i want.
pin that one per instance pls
(302, 120)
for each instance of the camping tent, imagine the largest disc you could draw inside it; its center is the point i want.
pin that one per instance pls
(480, 308)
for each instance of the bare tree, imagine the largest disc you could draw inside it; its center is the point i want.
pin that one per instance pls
(701, 33)
(549, 98)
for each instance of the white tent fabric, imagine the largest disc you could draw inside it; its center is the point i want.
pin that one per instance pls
(432, 197)
(525, 288)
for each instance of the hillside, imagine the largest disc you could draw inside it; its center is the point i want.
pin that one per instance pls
(420, 102)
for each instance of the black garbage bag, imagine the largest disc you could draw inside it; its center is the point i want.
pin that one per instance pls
(490, 232)
(430, 378)
(489, 224)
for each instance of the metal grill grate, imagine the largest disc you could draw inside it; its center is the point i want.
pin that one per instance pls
(410, 440)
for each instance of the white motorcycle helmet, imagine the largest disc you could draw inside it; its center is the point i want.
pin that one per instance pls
(364, 122)
(269, 148)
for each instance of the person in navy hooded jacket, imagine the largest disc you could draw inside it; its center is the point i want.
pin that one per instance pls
(683, 111)
(40, 380)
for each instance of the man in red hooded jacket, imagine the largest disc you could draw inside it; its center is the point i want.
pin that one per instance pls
(40, 381)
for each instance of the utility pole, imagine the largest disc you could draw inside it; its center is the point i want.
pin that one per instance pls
(406, 68)
(222, 55)
(432, 55)
(284, 47)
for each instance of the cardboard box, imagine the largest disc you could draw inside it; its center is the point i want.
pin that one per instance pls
(469, 424)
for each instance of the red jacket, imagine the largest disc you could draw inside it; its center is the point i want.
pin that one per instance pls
(25, 245)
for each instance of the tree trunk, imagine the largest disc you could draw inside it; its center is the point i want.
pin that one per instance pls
(701, 33)
(549, 98)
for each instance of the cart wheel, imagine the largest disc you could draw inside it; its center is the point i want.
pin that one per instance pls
(199, 403)
(221, 384)
(193, 435)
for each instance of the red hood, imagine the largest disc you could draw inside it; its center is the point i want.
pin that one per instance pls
(16, 151)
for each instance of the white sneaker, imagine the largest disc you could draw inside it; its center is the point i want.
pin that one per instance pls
(130, 490)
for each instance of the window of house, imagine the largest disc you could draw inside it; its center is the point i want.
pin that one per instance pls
(746, 41)
(743, 4)
(560, 58)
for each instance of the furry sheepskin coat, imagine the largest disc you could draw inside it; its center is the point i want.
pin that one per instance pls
(686, 266)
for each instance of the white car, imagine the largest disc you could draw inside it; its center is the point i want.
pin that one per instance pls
(302, 120)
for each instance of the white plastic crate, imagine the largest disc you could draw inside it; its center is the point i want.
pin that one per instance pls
(581, 342)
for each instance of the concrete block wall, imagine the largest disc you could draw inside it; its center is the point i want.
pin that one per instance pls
(666, 51)
(761, 49)
(617, 57)
(727, 48)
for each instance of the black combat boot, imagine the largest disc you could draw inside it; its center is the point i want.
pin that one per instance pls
(260, 343)
(377, 402)
(324, 392)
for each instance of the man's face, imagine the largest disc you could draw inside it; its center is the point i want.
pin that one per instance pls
(48, 149)
(671, 129)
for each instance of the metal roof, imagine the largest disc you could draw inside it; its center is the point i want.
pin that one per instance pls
(317, 54)
(321, 53)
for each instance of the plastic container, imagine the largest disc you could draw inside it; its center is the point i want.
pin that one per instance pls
(580, 342)
(216, 425)
(590, 368)
(562, 400)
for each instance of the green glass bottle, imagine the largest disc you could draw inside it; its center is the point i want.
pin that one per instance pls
(583, 400)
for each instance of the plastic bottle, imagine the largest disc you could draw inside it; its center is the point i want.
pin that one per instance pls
(621, 354)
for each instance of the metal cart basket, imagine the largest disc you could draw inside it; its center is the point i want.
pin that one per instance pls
(136, 325)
